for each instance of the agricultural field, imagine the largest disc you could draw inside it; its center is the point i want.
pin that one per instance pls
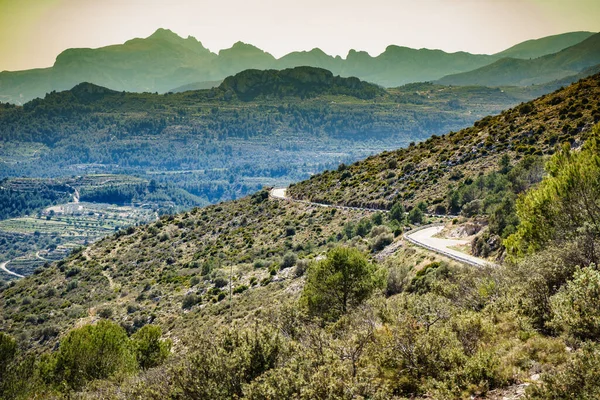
(51, 234)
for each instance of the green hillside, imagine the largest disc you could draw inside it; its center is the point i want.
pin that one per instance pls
(523, 72)
(425, 171)
(264, 298)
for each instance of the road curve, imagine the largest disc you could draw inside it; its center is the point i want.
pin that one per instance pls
(3, 268)
(424, 237)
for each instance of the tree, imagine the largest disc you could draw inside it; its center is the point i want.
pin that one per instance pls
(340, 282)
(150, 350)
(565, 206)
(93, 352)
(397, 213)
(415, 216)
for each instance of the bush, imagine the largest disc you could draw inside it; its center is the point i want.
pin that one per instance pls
(289, 260)
(93, 352)
(105, 313)
(189, 301)
(574, 307)
(220, 282)
(381, 241)
(150, 350)
(301, 266)
(577, 379)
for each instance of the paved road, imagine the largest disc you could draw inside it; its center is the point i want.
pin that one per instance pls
(422, 237)
(3, 268)
(280, 193)
(425, 238)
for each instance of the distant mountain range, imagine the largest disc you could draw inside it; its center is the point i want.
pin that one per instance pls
(166, 62)
(518, 72)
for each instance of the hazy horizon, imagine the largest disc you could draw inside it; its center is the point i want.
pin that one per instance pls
(33, 33)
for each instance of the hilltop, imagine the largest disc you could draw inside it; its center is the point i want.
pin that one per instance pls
(424, 171)
(164, 61)
(548, 45)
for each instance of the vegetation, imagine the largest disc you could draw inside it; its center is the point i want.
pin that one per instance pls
(425, 171)
(227, 142)
(352, 319)
(339, 283)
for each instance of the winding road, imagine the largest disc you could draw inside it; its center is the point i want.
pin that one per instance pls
(3, 268)
(423, 237)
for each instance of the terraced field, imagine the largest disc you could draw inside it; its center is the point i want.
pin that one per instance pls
(54, 232)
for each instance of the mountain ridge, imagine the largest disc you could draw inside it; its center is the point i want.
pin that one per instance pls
(164, 61)
(520, 72)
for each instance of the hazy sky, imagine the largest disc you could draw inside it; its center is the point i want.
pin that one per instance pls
(34, 32)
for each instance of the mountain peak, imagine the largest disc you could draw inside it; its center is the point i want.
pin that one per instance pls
(162, 33)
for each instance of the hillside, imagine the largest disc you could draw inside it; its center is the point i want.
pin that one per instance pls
(547, 45)
(425, 171)
(264, 298)
(520, 72)
(164, 61)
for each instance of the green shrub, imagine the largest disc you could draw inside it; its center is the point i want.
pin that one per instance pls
(288, 261)
(150, 350)
(92, 352)
(189, 301)
(575, 308)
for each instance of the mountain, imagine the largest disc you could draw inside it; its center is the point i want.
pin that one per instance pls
(242, 56)
(314, 58)
(397, 65)
(517, 72)
(547, 45)
(164, 61)
(423, 171)
(158, 63)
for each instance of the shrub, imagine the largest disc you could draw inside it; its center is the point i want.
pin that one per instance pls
(289, 260)
(574, 307)
(301, 266)
(91, 352)
(577, 379)
(189, 301)
(381, 241)
(105, 313)
(240, 289)
(150, 350)
(220, 282)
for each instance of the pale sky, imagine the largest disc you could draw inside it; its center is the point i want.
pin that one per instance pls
(34, 32)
